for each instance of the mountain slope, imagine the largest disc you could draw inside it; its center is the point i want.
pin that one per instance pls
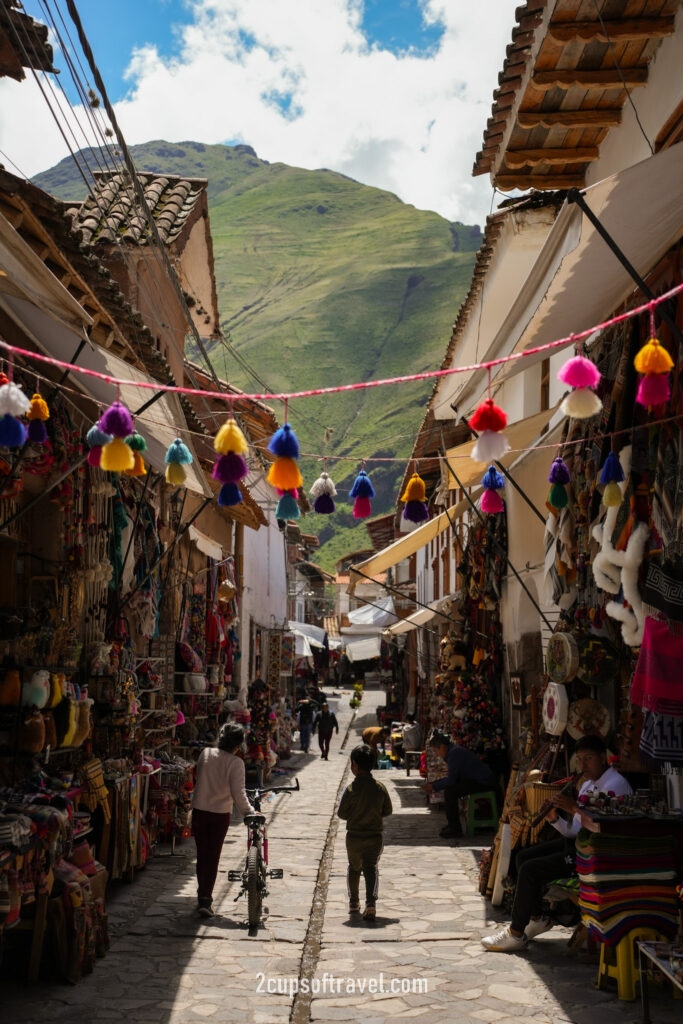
(323, 281)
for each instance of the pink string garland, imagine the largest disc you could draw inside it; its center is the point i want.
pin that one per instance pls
(285, 396)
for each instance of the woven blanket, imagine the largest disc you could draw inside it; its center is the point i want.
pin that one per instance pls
(661, 738)
(658, 681)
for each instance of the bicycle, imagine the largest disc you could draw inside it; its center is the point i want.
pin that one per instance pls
(256, 872)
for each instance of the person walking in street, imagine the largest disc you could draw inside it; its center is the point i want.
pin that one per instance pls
(220, 784)
(363, 806)
(467, 774)
(325, 723)
(305, 722)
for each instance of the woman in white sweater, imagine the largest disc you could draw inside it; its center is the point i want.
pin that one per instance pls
(220, 782)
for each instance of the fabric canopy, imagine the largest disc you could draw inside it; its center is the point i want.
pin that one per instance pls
(314, 634)
(419, 618)
(361, 650)
(375, 616)
(206, 545)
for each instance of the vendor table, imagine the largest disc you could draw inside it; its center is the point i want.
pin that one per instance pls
(659, 954)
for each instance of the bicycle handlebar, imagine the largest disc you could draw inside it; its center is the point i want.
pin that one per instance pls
(276, 789)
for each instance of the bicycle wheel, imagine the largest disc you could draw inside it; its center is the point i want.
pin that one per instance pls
(253, 886)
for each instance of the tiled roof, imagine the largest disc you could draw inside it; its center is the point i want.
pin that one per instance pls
(23, 42)
(111, 211)
(562, 88)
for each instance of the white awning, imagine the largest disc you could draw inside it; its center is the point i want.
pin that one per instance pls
(419, 618)
(361, 650)
(372, 616)
(206, 545)
(314, 633)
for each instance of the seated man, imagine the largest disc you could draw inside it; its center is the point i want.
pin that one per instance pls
(467, 774)
(538, 865)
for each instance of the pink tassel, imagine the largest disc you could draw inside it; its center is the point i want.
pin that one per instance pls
(293, 491)
(362, 508)
(94, 456)
(654, 389)
(579, 372)
(492, 502)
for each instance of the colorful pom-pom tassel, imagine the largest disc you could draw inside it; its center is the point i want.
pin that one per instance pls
(559, 472)
(558, 497)
(611, 496)
(13, 401)
(324, 504)
(230, 468)
(362, 508)
(97, 438)
(611, 472)
(117, 457)
(12, 431)
(284, 443)
(230, 439)
(38, 409)
(415, 490)
(37, 431)
(323, 485)
(94, 456)
(488, 416)
(581, 404)
(492, 503)
(229, 494)
(653, 358)
(653, 390)
(117, 420)
(287, 508)
(138, 466)
(284, 474)
(362, 488)
(416, 511)
(492, 479)
(178, 453)
(579, 372)
(490, 446)
(136, 442)
(175, 473)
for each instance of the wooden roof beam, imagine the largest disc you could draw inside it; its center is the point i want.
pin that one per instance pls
(534, 157)
(614, 31)
(609, 78)
(506, 182)
(569, 118)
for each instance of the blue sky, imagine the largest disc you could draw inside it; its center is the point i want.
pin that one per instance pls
(394, 93)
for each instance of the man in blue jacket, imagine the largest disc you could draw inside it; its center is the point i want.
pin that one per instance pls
(467, 774)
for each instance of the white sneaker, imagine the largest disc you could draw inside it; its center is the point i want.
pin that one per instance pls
(504, 941)
(534, 928)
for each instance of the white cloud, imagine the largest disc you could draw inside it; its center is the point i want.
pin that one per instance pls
(406, 123)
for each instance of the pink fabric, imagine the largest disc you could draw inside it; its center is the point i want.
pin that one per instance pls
(657, 681)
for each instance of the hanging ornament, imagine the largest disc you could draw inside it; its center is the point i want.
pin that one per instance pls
(97, 438)
(612, 475)
(323, 490)
(178, 455)
(230, 439)
(489, 421)
(12, 432)
(654, 362)
(138, 466)
(37, 414)
(287, 507)
(558, 476)
(362, 491)
(94, 456)
(230, 468)
(581, 404)
(117, 457)
(13, 404)
(583, 376)
(136, 442)
(229, 494)
(284, 472)
(492, 482)
(117, 421)
(415, 498)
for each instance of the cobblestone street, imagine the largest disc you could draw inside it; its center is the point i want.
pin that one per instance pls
(165, 965)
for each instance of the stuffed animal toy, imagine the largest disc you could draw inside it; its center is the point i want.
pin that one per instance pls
(36, 692)
(10, 687)
(30, 734)
(50, 730)
(83, 724)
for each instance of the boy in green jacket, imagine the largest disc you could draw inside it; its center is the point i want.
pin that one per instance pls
(363, 806)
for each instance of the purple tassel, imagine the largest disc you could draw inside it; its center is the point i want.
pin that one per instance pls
(229, 494)
(12, 432)
(37, 432)
(324, 505)
(654, 390)
(117, 421)
(230, 468)
(559, 472)
(416, 511)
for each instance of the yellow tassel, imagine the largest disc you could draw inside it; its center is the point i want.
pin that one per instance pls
(116, 456)
(611, 496)
(415, 489)
(284, 474)
(39, 409)
(230, 439)
(138, 467)
(175, 473)
(653, 358)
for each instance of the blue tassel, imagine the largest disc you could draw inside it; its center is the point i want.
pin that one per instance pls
(362, 488)
(416, 511)
(559, 472)
(324, 504)
(492, 479)
(284, 443)
(612, 473)
(178, 452)
(12, 432)
(287, 507)
(229, 494)
(97, 438)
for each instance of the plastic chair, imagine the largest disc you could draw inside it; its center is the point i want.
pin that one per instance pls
(412, 759)
(491, 821)
(625, 969)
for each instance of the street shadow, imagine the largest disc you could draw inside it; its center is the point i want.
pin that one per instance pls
(379, 922)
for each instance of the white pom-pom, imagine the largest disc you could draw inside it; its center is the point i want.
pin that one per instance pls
(490, 446)
(323, 485)
(581, 404)
(13, 401)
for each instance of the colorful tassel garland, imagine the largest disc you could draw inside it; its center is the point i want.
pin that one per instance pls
(490, 446)
(416, 511)
(653, 358)
(559, 472)
(229, 494)
(137, 443)
(611, 472)
(287, 507)
(324, 504)
(12, 431)
(97, 438)
(284, 474)
(581, 404)
(178, 453)
(488, 416)
(117, 457)
(138, 466)
(175, 473)
(116, 420)
(654, 390)
(230, 439)
(94, 456)
(230, 468)
(611, 496)
(492, 479)
(362, 508)
(38, 409)
(579, 372)
(362, 488)
(558, 496)
(37, 432)
(284, 443)
(415, 489)
(492, 503)
(323, 485)
(13, 401)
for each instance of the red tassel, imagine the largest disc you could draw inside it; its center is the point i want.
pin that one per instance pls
(654, 389)
(488, 417)
(362, 508)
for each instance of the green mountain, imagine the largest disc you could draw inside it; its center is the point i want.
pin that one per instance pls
(323, 281)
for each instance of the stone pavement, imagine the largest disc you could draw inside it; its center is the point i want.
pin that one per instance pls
(421, 960)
